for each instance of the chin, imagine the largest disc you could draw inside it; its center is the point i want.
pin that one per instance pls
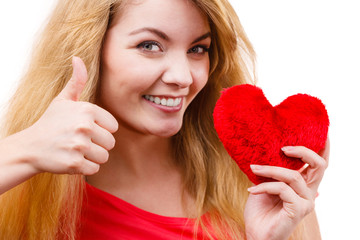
(167, 131)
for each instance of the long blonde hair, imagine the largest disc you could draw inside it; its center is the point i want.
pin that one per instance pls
(48, 206)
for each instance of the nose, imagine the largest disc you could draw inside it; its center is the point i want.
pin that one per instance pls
(177, 71)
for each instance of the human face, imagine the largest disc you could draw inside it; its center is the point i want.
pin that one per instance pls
(154, 62)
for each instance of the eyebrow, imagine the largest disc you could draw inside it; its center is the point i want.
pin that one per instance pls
(152, 30)
(202, 37)
(164, 36)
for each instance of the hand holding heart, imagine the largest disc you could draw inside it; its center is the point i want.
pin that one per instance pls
(71, 137)
(280, 205)
(268, 143)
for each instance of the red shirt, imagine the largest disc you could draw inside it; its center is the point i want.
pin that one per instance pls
(108, 217)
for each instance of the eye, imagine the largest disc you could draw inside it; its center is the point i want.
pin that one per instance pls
(149, 46)
(200, 49)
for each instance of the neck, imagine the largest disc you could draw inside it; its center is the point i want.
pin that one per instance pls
(135, 157)
(142, 171)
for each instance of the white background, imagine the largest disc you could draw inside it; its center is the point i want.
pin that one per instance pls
(309, 46)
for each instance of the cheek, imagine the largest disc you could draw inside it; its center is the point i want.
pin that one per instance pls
(201, 75)
(129, 71)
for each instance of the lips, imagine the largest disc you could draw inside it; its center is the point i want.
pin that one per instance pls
(164, 101)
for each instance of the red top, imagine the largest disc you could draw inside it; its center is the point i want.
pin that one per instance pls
(108, 217)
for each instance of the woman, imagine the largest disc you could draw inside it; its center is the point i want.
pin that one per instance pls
(141, 108)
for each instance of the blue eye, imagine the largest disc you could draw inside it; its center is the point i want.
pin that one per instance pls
(199, 49)
(149, 46)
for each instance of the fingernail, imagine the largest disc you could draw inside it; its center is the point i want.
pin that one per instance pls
(303, 168)
(255, 167)
(251, 189)
(287, 148)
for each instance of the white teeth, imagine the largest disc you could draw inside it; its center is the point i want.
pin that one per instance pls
(177, 101)
(170, 102)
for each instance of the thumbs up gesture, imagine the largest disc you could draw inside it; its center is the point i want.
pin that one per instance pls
(71, 137)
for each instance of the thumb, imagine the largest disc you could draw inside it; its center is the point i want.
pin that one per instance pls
(76, 84)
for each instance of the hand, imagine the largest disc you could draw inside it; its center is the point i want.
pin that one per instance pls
(274, 209)
(71, 137)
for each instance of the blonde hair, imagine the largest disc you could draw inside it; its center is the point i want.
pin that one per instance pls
(48, 206)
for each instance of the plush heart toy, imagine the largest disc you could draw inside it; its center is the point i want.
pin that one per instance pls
(253, 131)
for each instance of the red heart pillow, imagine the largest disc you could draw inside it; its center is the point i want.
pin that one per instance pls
(253, 131)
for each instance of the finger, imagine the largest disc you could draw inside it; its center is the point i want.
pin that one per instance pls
(76, 84)
(105, 119)
(96, 154)
(102, 137)
(81, 165)
(284, 191)
(317, 165)
(291, 177)
(306, 155)
(89, 168)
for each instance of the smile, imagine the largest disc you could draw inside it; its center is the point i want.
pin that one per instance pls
(169, 102)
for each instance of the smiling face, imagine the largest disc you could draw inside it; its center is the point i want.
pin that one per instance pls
(154, 62)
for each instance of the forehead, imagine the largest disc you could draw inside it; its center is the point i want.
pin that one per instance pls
(169, 15)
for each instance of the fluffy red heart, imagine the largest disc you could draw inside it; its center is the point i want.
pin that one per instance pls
(253, 131)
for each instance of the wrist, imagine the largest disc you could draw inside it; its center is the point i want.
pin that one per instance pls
(250, 233)
(16, 152)
(260, 234)
(15, 163)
